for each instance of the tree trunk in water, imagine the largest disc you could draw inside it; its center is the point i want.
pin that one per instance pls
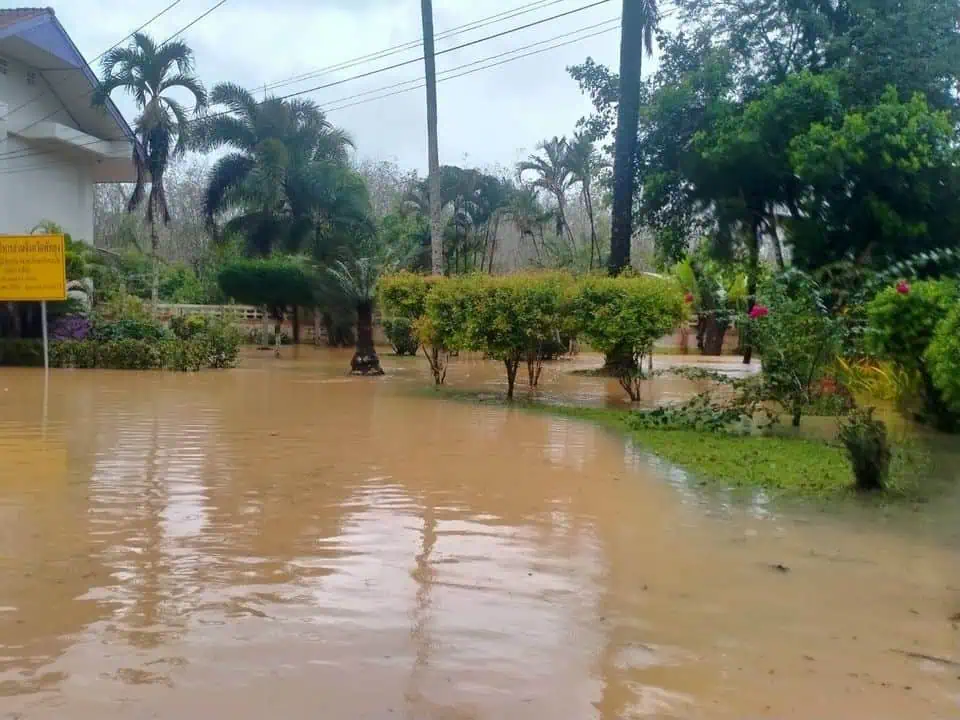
(265, 328)
(797, 414)
(711, 334)
(277, 332)
(430, 68)
(753, 270)
(155, 252)
(296, 324)
(625, 148)
(512, 367)
(316, 326)
(365, 360)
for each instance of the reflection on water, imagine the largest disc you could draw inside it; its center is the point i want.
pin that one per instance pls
(275, 541)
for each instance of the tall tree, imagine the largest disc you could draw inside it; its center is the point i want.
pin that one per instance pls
(639, 19)
(584, 162)
(430, 67)
(552, 171)
(286, 181)
(148, 72)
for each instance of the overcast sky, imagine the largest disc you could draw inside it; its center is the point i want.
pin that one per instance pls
(492, 117)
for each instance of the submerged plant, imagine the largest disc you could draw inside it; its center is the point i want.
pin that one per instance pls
(868, 448)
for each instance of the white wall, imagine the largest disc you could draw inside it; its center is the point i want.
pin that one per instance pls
(40, 182)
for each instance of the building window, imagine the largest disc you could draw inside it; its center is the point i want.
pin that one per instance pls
(31, 78)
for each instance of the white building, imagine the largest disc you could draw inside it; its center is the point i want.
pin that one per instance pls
(54, 146)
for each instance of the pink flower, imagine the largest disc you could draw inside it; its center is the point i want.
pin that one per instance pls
(903, 287)
(759, 311)
(688, 298)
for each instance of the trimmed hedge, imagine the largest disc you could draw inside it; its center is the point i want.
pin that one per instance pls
(128, 354)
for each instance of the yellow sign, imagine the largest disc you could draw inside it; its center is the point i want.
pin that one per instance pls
(33, 267)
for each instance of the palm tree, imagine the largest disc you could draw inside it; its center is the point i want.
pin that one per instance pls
(433, 143)
(148, 71)
(528, 215)
(287, 177)
(639, 20)
(357, 279)
(552, 175)
(584, 162)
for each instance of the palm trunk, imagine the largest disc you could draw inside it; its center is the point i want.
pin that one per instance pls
(588, 202)
(296, 324)
(775, 238)
(316, 326)
(155, 252)
(430, 67)
(625, 148)
(365, 360)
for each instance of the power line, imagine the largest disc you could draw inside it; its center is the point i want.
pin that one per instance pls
(115, 45)
(194, 22)
(377, 71)
(88, 93)
(448, 71)
(497, 56)
(444, 52)
(387, 52)
(475, 70)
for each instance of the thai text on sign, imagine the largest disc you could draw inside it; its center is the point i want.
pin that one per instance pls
(32, 267)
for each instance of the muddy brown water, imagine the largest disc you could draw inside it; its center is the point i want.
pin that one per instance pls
(283, 541)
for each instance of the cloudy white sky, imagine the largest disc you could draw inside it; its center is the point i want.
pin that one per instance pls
(492, 117)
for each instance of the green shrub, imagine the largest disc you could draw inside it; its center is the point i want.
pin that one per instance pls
(441, 328)
(400, 333)
(223, 344)
(943, 359)
(74, 354)
(183, 355)
(128, 354)
(623, 317)
(127, 329)
(21, 353)
(186, 327)
(868, 448)
(902, 324)
(798, 339)
(514, 318)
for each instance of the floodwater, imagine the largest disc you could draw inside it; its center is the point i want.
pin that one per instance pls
(283, 541)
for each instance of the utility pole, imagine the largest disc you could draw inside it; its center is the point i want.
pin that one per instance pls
(430, 66)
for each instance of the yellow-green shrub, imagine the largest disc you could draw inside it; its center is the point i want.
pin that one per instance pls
(625, 316)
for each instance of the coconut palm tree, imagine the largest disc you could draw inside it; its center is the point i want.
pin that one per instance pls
(638, 23)
(149, 72)
(584, 163)
(552, 174)
(286, 180)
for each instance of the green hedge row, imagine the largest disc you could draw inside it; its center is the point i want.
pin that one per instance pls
(528, 317)
(127, 354)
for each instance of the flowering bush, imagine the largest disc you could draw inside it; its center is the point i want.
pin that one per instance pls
(903, 321)
(71, 327)
(943, 358)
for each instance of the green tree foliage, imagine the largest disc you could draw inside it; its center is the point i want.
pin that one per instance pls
(881, 183)
(830, 127)
(276, 283)
(403, 303)
(902, 324)
(285, 183)
(150, 72)
(624, 317)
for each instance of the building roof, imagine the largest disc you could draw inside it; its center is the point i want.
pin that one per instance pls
(12, 16)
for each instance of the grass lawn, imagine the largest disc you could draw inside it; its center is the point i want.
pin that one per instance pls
(787, 466)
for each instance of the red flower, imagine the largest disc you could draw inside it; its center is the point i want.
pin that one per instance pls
(903, 287)
(688, 298)
(759, 311)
